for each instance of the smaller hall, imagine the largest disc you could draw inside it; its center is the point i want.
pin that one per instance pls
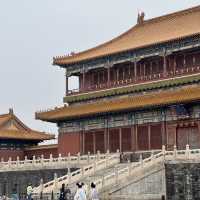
(17, 140)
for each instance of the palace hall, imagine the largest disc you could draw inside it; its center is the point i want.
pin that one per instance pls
(17, 140)
(137, 92)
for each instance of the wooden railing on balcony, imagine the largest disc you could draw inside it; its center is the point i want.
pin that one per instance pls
(137, 80)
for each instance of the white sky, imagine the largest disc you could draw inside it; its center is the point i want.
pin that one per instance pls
(33, 31)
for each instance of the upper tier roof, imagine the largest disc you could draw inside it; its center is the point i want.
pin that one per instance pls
(183, 95)
(13, 128)
(153, 31)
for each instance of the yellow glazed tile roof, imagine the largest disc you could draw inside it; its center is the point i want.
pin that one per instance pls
(13, 128)
(158, 30)
(183, 95)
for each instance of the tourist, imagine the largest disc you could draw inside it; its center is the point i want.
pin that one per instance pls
(14, 195)
(80, 193)
(29, 191)
(67, 193)
(62, 192)
(93, 192)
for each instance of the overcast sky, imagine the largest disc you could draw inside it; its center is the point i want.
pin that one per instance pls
(33, 31)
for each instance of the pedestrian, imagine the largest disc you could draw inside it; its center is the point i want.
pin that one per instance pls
(93, 192)
(62, 192)
(80, 193)
(14, 194)
(67, 193)
(29, 191)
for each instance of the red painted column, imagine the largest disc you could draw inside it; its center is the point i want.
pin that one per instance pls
(94, 142)
(135, 70)
(136, 138)
(67, 89)
(120, 139)
(108, 73)
(83, 86)
(165, 65)
(149, 136)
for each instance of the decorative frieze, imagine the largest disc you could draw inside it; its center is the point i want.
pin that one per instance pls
(154, 50)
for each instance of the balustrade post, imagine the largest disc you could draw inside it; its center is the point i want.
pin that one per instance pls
(116, 175)
(17, 160)
(50, 158)
(78, 157)
(55, 187)
(152, 157)
(129, 167)
(69, 158)
(141, 160)
(42, 159)
(25, 160)
(2, 159)
(94, 166)
(9, 161)
(175, 152)
(69, 175)
(163, 151)
(41, 186)
(82, 171)
(88, 158)
(98, 155)
(107, 157)
(34, 160)
(187, 153)
(59, 158)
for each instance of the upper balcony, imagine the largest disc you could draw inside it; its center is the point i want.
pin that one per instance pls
(134, 73)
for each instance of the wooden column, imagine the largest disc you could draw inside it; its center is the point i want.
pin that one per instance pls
(83, 141)
(136, 138)
(174, 63)
(135, 70)
(164, 65)
(149, 137)
(83, 83)
(120, 139)
(133, 144)
(94, 142)
(108, 72)
(67, 88)
(117, 69)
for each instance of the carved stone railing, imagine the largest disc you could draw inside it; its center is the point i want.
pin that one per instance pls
(139, 79)
(50, 163)
(84, 171)
(137, 169)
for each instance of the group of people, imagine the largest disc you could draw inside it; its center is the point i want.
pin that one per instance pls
(81, 193)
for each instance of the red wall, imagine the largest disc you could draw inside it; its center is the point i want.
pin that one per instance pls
(5, 154)
(38, 152)
(69, 143)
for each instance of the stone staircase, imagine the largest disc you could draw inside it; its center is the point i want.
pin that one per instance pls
(112, 177)
(93, 167)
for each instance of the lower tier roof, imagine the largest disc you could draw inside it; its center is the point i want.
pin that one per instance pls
(158, 98)
(25, 135)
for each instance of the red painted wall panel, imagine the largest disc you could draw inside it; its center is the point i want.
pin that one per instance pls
(99, 140)
(5, 154)
(38, 152)
(68, 143)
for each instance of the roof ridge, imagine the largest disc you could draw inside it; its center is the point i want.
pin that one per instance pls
(58, 60)
(172, 15)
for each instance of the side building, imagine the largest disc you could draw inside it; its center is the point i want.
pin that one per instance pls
(17, 140)
(136, 92)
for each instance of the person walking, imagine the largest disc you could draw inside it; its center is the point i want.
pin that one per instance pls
(62, 193)
(29, 191)
(80, 193)
(67, 193)
(93, 192)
